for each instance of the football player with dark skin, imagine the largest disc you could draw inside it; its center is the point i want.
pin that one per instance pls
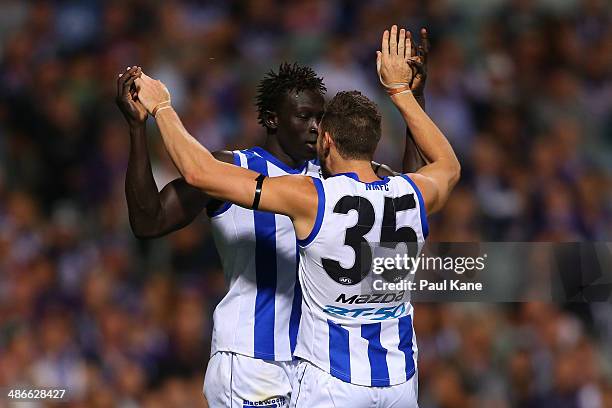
(291, 121)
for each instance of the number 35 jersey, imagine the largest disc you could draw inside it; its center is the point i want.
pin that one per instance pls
(350, 327)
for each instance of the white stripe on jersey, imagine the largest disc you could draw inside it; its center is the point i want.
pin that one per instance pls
(363, 343)
(260, 314)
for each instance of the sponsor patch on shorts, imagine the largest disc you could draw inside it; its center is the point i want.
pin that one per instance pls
(277, 402)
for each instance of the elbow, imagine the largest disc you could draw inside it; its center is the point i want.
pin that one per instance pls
(190, 178)
(202, 172)
(147, 228)
(196, 174)
(200, 179)
(194, 178)
(142, 233)
(455, 172)
(146, 235)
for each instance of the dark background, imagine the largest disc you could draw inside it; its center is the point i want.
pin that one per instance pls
(522, 88)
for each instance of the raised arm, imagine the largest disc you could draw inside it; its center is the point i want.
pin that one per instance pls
(436, 179)
(294, 196)
(153, 213)
(413, 157)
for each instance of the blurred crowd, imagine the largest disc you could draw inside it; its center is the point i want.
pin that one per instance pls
(522, 88)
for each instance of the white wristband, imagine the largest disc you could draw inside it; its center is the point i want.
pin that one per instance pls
(161, 109)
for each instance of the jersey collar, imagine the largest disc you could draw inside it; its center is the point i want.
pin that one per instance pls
(355, 177)
(272, 159)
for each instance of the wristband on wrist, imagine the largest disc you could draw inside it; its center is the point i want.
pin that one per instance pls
(393, 85)
(160, 106)
(400, 90)
(161, 109)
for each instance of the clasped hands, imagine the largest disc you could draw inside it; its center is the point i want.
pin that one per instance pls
(137, 91)
(400, 66)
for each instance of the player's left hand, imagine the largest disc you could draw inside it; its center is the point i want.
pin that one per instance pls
(151, 92)
(126, 99)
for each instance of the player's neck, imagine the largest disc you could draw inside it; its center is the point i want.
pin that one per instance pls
(363, 169)
(272, 146)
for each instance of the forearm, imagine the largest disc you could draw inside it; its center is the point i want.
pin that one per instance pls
(413, 157)
(427, 136)
(199, 167)
(420, 98)
(190, 157)
(141, 192)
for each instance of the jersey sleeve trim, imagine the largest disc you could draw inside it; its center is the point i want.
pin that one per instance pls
(226, 205)
(422, 211)
(320, 211)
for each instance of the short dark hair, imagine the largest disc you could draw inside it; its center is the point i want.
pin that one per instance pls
(353, 122)
(274, 86)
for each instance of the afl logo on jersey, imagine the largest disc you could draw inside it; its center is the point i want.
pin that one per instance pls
(345, 280)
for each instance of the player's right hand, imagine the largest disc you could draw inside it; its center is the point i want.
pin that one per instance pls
(127, 100)
(151, 92)
(392, 60)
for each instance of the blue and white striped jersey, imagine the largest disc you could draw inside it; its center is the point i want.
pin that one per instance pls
(348, 329)
(260, 314)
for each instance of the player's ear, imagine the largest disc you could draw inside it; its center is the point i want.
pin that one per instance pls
(327, 142)
(270, 119)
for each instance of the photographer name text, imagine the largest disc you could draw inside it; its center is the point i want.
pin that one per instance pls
(425, 285)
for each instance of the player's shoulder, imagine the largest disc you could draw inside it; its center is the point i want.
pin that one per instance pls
(418, 181)
(425, 187)
(238, 157)
(415, 177)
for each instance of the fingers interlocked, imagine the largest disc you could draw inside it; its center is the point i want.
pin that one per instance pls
(126, 79)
